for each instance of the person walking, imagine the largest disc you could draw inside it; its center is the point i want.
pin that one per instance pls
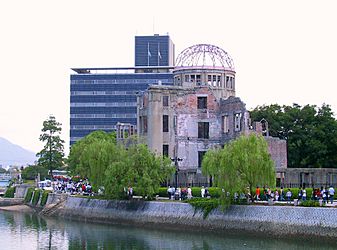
(331, 193)
(288, 195)
(189, 193)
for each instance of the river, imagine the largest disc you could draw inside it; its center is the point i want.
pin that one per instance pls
(29, 231)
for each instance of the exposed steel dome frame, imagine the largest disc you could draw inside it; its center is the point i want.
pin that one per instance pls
(203, 55)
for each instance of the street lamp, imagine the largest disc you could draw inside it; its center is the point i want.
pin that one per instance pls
(175, 160)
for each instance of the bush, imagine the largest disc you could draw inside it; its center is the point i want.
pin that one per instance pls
(44, 197)
(309, 203)
(29, 194)
(36, 196)
(205, 205)
(162, 192)
(10, 192)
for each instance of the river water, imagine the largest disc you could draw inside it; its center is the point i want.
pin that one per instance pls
(29, 231)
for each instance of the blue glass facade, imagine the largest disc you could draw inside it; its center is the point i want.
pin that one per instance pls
(154, 51)
(99, 101)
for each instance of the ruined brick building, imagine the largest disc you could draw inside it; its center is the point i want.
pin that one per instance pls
(200, 111)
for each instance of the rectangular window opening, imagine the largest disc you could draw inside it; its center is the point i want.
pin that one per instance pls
(165, 101)
(165, 123)
(202, 102)
(203, 130)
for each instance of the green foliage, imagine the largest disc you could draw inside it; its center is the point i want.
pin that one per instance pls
(244, 162)
(10, 192)
(117, 166)
(29, 194)
(36, 196)
(310, 132)
(138, 167)
(30, 172)
(51, 156)
(2, 170)
(84, 148)
(309, 203)
(44, 197)
(204, 204)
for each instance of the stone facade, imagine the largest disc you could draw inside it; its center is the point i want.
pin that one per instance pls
(198, 113)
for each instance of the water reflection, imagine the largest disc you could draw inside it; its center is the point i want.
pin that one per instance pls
(28, 231)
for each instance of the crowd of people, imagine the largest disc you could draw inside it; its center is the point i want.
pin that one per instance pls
(184, 193)
(324, 194)
(72, 187)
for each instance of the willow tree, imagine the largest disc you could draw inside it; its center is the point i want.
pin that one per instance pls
(138, 167)
(244, 162)
(78, 159)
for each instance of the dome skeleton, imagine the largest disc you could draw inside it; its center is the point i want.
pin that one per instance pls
(191, 56)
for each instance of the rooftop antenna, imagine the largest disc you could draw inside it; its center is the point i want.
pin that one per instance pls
(153, 25)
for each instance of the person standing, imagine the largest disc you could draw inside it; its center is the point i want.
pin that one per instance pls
(288, 195)
(257, 193)
(304, 194)
(189, 193)
(202, 192)
(331, 193)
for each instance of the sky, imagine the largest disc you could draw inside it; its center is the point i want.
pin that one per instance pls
(284, 52)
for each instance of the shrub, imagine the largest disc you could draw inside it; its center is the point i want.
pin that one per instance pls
(10, 192)
(309, 203)
(44, 197)
(204, 204)
(162, 192)
(36, 196)
(29, 194)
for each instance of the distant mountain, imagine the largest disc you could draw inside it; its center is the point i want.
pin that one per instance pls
(11, 154)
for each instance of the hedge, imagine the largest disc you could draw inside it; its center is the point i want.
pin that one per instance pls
(29, 194)
(44, 197)
(36, 196)
(10, 192)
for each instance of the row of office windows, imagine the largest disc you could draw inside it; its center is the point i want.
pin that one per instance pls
(93, 127)
(80, 93)
(103, 115)
(123, 81)
(102, 104)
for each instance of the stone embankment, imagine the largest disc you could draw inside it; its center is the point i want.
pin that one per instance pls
(274, 220)
(4, 202)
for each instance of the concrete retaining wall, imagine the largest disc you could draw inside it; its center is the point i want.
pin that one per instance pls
(275, 220)
(10, 201)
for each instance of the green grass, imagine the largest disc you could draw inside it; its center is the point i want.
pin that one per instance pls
(44, 197)
(29, 194)
(10, 192)
(36, 197)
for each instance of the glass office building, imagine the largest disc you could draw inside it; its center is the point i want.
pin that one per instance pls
(154, 51)
(102, 97)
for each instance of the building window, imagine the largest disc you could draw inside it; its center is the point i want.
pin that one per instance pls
(237, 122)
(187, 78)
(198, 80)
(165, 101)
(203, 130)
(225, 124)
(144, 124)
(165, 123)
(175, 124)
(202, 102)
(200, 157)
(165, 150)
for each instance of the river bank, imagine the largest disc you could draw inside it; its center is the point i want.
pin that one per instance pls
(272, 220)
(18, 208)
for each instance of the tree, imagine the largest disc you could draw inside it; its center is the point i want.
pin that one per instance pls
(30, 172)
(138, 167)
(244, 162)
(117, 166)
(51, 156)
(78, 155)
(310, 132)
